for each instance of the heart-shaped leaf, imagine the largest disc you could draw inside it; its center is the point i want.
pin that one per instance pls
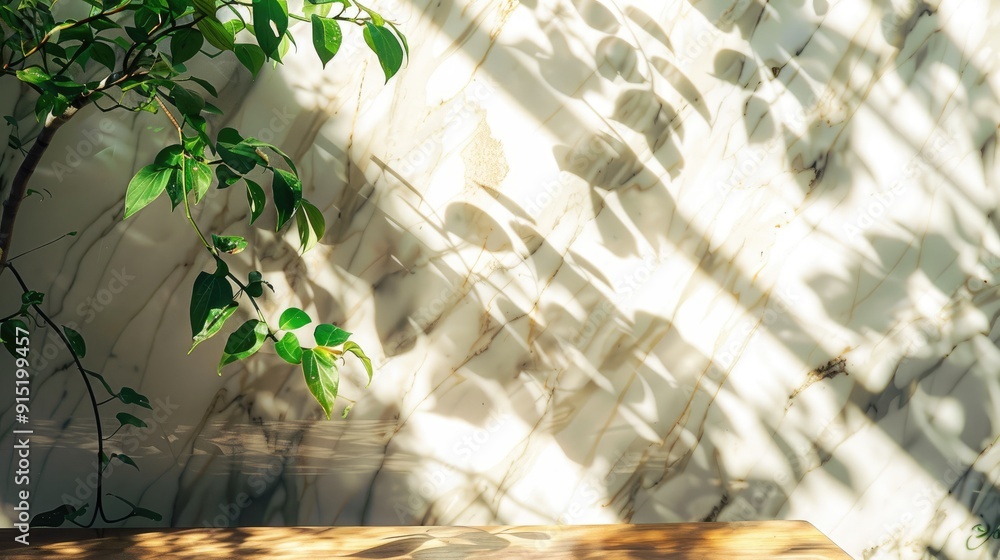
(320, 369)
(289, 349)
(330, 336)
(293, 318)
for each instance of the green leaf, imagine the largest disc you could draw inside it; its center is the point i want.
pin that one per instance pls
(174, 189)
(255, 289)
(184, 44)
(126, 418)
(8, 334)
(67, 86)
(326, 37)
(195, 145)
(257, 146)
(251, 56)
(77, 513)
(129, 395)
(76, 342)
(287, 191)
(244, 342)
(33, 75)
(255, 199)
(75, 32)
(310, 8)
(293, 318)
(52, 518)
(211, 294)
(102, 380)
(205, 7)
(197, 178)
(402, 38)
(125, 459)
(130, 504)
(232, 244)
(43, 106)
(238, 153)
(188, 102)
(216, 34)
(145, 187)
(138, 511)
(147, 514)
(221, 268)
(386, 46)
(289, 349)
(234, 25)
(377, 18)
(200, 125)
(322, 377)
(206, 85)
(136, 34)
(214, 324)
(226, 176)
(284, 45)
(32, 297)
(255, 284)
(171, 156)
(353, 348)
(310, 223)
(330, 335)
(146, 18)
(104, 55)
(266, 13)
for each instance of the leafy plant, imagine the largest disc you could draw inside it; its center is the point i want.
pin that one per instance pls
(131, 55)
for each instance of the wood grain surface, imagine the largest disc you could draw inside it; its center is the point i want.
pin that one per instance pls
(766, 539)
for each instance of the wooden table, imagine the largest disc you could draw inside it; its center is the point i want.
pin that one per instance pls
(704, 541)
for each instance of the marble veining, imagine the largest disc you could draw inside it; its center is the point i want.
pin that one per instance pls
(615, 260)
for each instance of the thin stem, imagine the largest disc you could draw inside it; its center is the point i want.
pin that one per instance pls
(253, 301)
(120, 518)
(39, 247)
(113, 435)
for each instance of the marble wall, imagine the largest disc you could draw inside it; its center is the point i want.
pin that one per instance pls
(615, 261)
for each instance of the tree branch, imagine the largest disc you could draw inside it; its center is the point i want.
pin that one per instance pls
(19, 187)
